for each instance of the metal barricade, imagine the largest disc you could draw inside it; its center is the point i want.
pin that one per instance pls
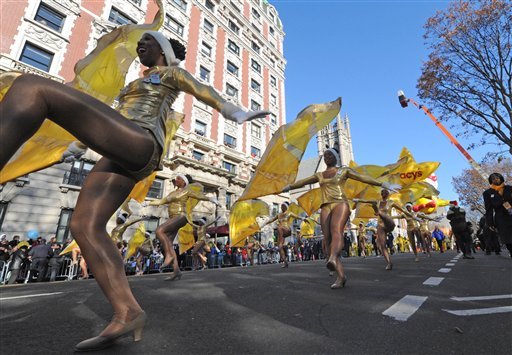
(4, 270)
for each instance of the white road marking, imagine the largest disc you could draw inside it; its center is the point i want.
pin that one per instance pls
(444, 270)
(453, 261)
(405, 308)
(27, 296)
(450, 264)
(433, 281)
(479, 311)
(481, 298)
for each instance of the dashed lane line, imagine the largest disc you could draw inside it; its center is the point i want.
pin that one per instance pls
(479, 311)
(450, 264)
(481, 298)
(405, 307)
(433, 281)
(444, 270)
(28, 296)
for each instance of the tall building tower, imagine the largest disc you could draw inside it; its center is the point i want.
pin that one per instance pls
(235, 46)
(337, 135)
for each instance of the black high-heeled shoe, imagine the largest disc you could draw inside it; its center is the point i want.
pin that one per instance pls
(101, 342)
(175, 276)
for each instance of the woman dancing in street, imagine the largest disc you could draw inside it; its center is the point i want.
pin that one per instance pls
(385, 223)
(131, 141)
(335, 210)
(176, 203)
(413, 229)
(283, 228)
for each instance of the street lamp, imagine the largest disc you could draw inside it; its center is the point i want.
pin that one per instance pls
(404, 102)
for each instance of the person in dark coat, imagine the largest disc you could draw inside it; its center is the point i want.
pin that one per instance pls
(39, 255)
(19, 257)
(498, 208)
(460, 229)
(55, 261)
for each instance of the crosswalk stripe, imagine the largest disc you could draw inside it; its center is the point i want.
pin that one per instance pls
(433, 281)
(479, 311)
(481, 298)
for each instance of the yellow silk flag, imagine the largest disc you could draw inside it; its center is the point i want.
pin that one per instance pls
(279, 165)
(294, 209)
(100, 74)
(186, 238)
(71, 246)
(311, 201)
(307, 229)
(242, 220)
(137, 239)
(186, 233)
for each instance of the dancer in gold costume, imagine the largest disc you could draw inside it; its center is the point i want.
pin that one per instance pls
(122, 225)
(202, 238)
(426, 235)
(176, 203)
(283, 228)
(131, 141)
(413, 229)
(335, 210)
(385, 223)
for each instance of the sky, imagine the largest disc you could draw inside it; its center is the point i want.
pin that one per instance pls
(365, 51)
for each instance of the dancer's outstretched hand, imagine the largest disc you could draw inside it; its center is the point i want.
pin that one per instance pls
(235, 113)
(391, 187)
(286, 188)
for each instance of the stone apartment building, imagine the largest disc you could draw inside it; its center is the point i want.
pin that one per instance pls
(235, 46)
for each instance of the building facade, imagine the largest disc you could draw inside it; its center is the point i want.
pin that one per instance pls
(234, 46)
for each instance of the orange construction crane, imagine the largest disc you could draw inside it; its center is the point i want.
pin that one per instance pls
(404, 103)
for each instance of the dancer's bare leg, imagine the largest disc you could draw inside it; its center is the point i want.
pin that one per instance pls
(381, 244)
(104, 190)
(92, 122)
(335, 222)
(166, 233)
(412, 242)
(280, 240)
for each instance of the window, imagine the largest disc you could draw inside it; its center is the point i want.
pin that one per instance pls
(151, 224)
(182, 4)
(209, 5)
(273, 99)
(229, 200)
(255, 106)
(255, 152)
(174, 25)
(36, 57)
(233, 27)
(275, 209)
(233, 47)
(256, 27)
(63, 227)
(273, 81)
(206, 49)
(272, 17)
(118, 17)
(157, 188)
(255, 131)
(208, 26)
(231, 90)
(229, 167)
(233, 69)
(255, 65)
(273, 118)
(255, 47)
(79, 171)
(3, 211)
(255, 85)
(271, 29)
(237, 9)
(49, 17)
(229, 141)
(136, 2)
(273, 62)
(204, 74)
(200, 128)
(255, 13)
(197, 155)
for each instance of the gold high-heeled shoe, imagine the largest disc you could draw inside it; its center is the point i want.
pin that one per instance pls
(175, 276)
(101, 342)
(339, 283)
(166, 264)
(389, 266)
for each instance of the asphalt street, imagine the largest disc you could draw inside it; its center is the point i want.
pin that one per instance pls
(440, 305)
